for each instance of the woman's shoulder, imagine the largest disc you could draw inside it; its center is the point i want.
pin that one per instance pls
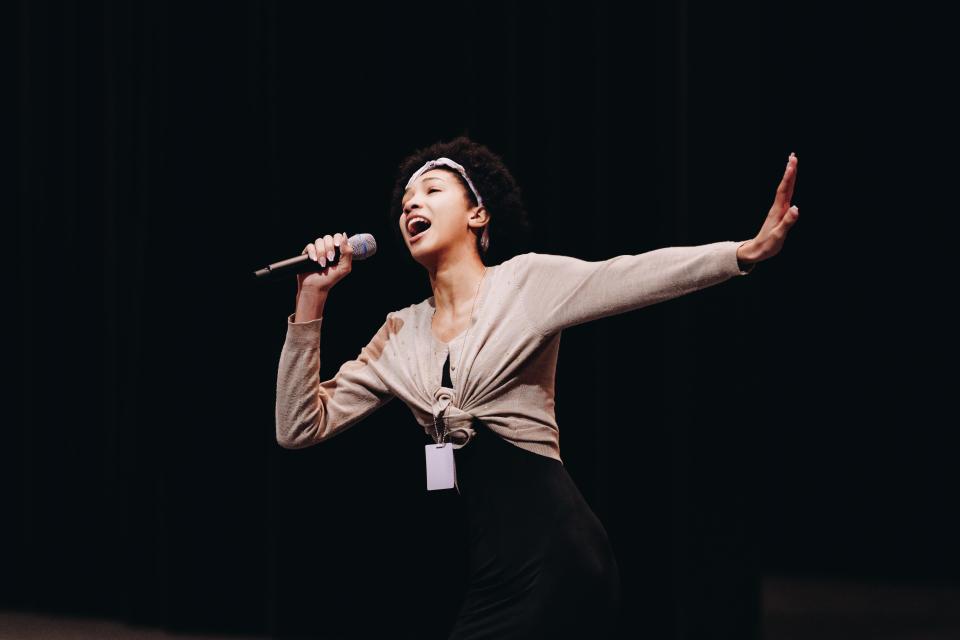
(519, 259)
(411, 311)
(531, 268)
(530, 258)
(517, 264)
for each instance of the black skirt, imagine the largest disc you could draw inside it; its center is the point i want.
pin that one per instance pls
(540, 564)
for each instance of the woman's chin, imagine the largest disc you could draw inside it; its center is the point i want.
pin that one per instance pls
(424, 250)
(419, 243)
(424, 254)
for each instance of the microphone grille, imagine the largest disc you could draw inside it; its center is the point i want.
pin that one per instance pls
(364, 246)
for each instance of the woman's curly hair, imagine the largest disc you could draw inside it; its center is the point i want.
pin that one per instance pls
(509, 225)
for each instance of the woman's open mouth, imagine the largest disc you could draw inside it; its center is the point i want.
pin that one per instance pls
(417, 228)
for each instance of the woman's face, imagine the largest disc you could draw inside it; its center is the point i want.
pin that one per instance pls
(440, 198)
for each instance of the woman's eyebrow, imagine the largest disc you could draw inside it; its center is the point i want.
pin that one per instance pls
(425, 179)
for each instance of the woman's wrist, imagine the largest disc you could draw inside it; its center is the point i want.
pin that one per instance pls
(744, 261)
(310, 303)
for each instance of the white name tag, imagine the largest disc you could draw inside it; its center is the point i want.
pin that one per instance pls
(441, 468)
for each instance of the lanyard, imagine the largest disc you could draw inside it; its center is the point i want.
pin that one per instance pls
(439, 437)
(437, 420)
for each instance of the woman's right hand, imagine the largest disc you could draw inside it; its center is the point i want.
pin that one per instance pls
(322, 250)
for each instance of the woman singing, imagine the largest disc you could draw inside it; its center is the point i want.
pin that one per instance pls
(475, 362)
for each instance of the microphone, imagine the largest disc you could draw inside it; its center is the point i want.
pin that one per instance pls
(363, 244)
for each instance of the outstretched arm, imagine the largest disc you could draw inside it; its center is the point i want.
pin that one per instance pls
(562, 291)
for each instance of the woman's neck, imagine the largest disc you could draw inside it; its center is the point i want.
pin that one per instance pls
(455, 283)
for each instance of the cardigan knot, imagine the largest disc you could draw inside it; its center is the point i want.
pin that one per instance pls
(458, 423)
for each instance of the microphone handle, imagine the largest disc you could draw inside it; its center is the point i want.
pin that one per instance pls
(291, 266)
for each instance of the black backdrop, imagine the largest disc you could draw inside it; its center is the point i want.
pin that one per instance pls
(786, 422)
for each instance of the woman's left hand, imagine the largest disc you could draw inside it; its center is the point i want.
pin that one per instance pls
(779, 220)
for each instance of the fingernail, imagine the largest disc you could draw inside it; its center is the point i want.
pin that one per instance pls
(330, 255)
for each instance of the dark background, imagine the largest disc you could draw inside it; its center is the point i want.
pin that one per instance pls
(789, 423)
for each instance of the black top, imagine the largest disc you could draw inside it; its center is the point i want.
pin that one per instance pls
(447, 382)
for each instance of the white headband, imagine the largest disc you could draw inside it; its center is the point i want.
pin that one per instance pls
(448, 163)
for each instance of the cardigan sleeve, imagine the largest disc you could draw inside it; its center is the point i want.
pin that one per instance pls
(562, 291)
(308, 410)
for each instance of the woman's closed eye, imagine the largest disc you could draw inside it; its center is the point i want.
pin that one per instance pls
(431, 190)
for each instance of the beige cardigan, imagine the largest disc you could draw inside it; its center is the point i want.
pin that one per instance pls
(508, 361)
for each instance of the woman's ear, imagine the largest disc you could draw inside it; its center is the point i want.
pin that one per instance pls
(482, 220)
(480, 216)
